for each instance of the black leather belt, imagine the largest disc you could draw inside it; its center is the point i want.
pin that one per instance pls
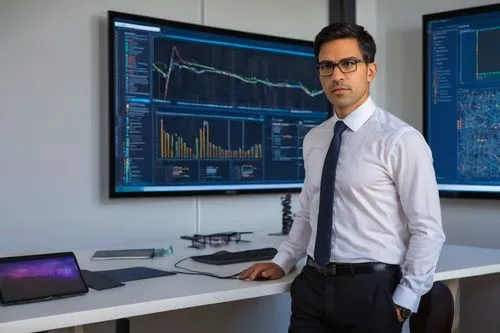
(350, 269)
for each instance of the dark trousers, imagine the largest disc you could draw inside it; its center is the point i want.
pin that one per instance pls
(359, 303)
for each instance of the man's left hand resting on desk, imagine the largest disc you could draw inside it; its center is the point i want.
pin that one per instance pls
(267, 271)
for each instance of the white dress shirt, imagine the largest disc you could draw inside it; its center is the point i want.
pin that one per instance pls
(386, 201)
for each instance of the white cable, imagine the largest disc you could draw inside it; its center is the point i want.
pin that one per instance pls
(203, 13)
(197, 209)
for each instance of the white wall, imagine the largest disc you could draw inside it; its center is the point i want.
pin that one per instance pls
(53, 135)
(397, 29)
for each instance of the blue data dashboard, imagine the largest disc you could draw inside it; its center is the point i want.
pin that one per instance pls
(462, 99)
(198, 110)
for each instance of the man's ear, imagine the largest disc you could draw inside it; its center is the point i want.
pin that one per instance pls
(372, 71)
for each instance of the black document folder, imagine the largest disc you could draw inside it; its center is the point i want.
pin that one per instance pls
(135, 273)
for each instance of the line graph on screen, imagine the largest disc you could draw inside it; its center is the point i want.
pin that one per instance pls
(223, 75)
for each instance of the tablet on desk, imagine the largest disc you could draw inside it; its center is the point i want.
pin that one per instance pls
(40, 277)
(124, 254)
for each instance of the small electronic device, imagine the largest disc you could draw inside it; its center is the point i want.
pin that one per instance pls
(40, 277)
(124, 254)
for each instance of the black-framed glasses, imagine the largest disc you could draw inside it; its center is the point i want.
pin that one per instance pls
(349, 65)
(201, 241)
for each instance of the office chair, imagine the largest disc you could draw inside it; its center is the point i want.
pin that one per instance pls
(435, 312)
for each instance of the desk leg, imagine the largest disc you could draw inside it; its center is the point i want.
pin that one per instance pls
(122, 326)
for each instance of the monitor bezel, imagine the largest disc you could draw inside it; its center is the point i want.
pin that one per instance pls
(112, 192)
(426, 18)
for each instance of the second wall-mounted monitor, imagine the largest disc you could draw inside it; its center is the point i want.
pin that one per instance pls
(462, 99)
(203, 110)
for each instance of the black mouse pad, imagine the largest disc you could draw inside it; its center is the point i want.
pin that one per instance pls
(98, 281)
(134, 273)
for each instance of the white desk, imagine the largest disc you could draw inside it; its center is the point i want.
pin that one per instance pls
(162, 294)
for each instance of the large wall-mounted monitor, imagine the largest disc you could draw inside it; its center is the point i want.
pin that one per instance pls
(462, 99)
(202, 110)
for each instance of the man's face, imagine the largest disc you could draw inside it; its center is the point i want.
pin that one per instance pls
(346, 91)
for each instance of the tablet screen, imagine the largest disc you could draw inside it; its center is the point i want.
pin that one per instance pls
(31, 278)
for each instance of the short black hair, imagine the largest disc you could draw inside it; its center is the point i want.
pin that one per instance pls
(343, 30)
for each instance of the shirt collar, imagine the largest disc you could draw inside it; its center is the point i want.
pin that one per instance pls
(358, 116)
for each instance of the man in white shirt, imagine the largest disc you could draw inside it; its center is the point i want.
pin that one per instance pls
(370, 220)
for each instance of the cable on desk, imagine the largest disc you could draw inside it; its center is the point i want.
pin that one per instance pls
(193, 272)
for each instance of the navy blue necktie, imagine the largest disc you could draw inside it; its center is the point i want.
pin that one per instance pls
(322, 249)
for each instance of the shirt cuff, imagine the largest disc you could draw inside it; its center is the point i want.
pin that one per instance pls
(406, 298)
(284, 260)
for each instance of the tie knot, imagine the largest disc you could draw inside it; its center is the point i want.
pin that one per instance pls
(340, 127)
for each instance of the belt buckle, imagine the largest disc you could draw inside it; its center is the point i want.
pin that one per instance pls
(333, 269)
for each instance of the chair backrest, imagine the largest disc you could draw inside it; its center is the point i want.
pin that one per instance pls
(435, 312)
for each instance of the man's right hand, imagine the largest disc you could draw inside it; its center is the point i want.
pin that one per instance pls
(267, 271)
